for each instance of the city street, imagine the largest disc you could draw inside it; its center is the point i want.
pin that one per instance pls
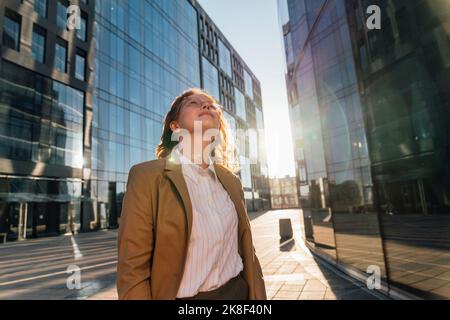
(341, 108)
(37, 268)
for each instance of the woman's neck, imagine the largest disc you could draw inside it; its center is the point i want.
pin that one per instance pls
(196, 153)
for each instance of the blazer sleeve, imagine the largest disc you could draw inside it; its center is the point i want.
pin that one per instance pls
(260, 286)
(135, 239)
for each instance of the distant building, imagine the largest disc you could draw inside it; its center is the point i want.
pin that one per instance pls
(284, 193)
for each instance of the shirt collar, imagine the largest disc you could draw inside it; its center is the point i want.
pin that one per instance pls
(194, 169)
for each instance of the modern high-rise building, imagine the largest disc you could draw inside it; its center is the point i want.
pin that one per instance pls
(370, 118)
(80, 107)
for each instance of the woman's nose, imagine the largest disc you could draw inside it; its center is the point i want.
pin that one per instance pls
(205, 106)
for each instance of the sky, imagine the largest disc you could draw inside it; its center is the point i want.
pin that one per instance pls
(251, 26)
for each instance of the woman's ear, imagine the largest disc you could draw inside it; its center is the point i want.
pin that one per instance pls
(174, 125)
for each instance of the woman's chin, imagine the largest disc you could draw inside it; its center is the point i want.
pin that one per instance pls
(209, 124)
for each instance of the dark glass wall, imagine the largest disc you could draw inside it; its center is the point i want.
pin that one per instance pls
(331, 147)
(370, 118)
(405, 75)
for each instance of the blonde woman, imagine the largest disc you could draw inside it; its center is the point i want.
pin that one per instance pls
(184, 231)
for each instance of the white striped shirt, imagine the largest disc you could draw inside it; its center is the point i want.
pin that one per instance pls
(212, 257)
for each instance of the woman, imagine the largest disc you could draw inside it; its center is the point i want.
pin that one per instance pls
(184, 231)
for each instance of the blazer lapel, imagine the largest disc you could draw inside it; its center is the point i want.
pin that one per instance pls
(174, 173)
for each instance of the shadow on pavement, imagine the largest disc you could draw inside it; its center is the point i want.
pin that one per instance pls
(342, 286)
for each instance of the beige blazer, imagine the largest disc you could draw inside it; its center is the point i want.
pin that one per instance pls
(155, 226)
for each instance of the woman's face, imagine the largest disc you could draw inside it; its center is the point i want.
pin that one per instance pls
(197, 107)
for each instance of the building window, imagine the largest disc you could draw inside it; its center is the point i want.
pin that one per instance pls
(240, 104)
(248, 84)
(246, 176)
(134, 26)
(61, 15)
(11, 31)
(210, 78)
(134, 60)
(56, 141)
(225, 58)
(81, 33)
(80, 61)
(61, 55)
(38, 44)
(40, 6)
(135, 91)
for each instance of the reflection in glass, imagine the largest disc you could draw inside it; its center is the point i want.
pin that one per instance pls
(210, 78)
(382, 105)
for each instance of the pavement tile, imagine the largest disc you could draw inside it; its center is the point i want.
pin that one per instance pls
(292, 287)
(314, 285)
(288, 295)
(312, 295)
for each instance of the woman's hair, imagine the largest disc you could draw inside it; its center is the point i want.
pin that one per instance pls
(223, 152)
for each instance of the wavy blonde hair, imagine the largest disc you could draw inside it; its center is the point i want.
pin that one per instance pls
(223, 152)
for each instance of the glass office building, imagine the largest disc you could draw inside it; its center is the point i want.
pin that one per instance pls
(370, 116)
(80, 107)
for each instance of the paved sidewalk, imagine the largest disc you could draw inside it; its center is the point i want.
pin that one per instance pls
(290, 271)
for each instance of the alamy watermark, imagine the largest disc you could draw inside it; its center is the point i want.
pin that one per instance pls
(374, 20)
(74, 19)
(74, 279)
(374, 280)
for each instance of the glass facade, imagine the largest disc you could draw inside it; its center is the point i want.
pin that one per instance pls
(142, 62)
(46, 119)
(405, 77)
(72, 143)
(369, 114)
(41, 123)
